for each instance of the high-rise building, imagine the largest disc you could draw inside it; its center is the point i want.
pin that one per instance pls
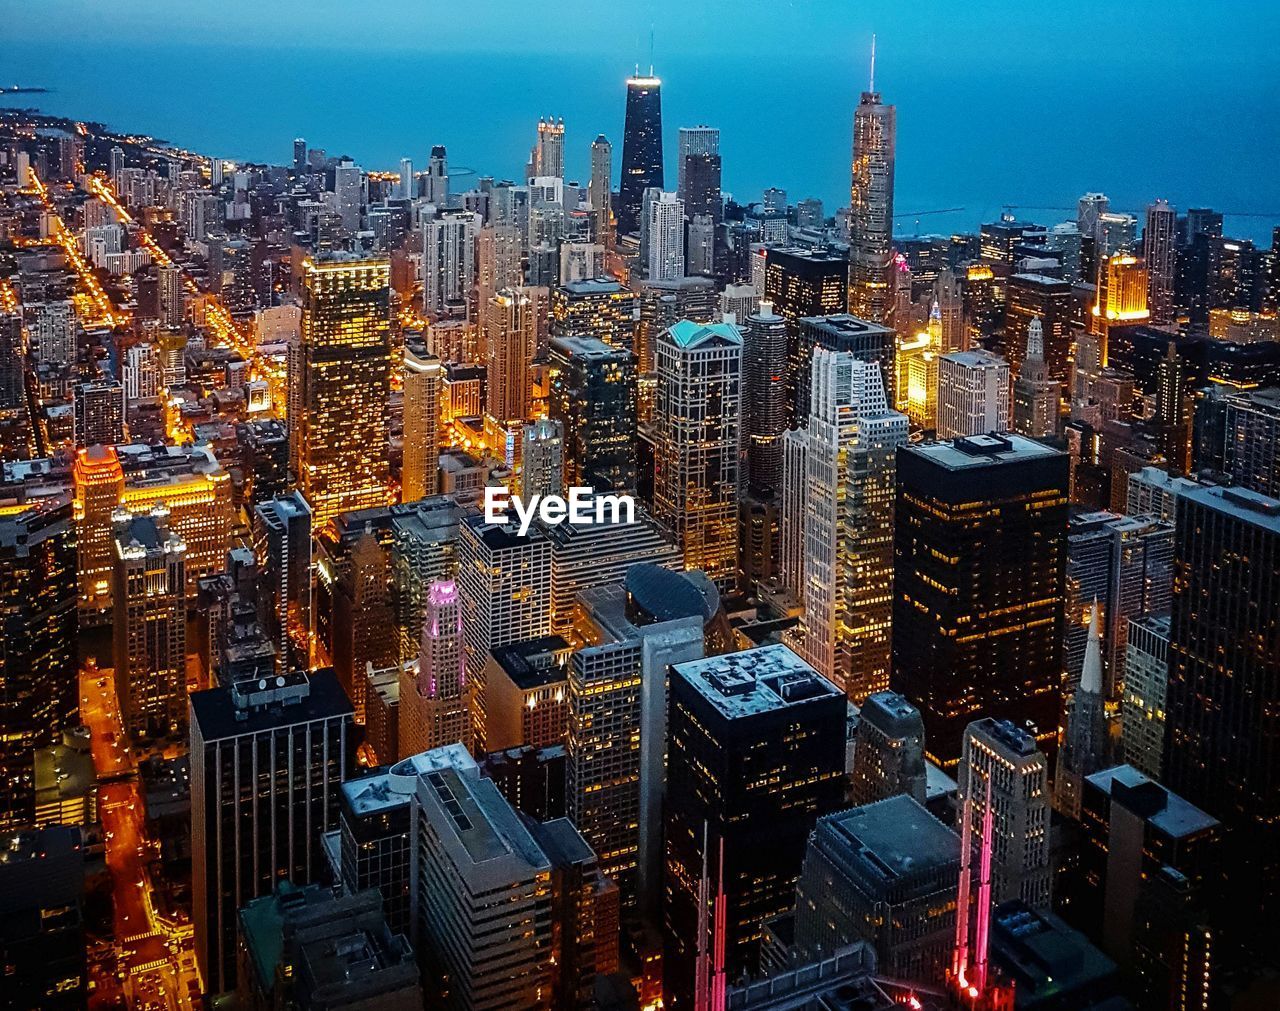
(511, 337)
(888, 753)
(847, 497)
(12, 351)
(869, 342)
(435, 695)
(1035, 395)
(916, 383)
(1237, 435)
(342, 385)
(250, 828)
(149, 591)
(595, 307)
(504, 582)
(549, 152)
(1153, 491)
(436, 182)
(1160, 251)
(469, 842)
(875, 140)
(348, 189)
(756, 753)
(542, 459)
(884, 873)
(173, 306)
(1001, 762)
(601, 189)
(1089, 209)
(449, 263)
(527, 687)
(299, 154)
(99, 413)
(641, 149)
(980, 554)
(666, 237)
(973, 394)
(407, 189)
(424, 537)
(362, 628)
(697, 417)
(38, 665)
(699, 171)
(282, 547)
(1146, 687)
(54, 332)
(1223, 681)
(764, 389)
(1050, 300)
(420, 469)
(593, 396)
(141, 373)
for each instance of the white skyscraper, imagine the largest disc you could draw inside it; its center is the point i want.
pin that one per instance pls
(348, 188)
(973, 394)
(448, 262)
(406, 179)
(55, 333)
(141, 373)
(601, 189)
(420, 470)
(666, 238)
(847, 498)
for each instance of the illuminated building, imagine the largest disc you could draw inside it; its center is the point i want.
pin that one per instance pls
(448, 263)
(740, 301)
(617, 741)
(593, 396)
(470, 842)
(1066, 242)
(149, 590)
(173, 297)
(141, 373)
(510, 340)
(1122, 294)
(436, 188)
(99, 413)
(979, 299)
(1174, 411)
(364, 627)
(424, 542)
(420, 470)
(1159, 251)
(699, 172)
(599, 307)
(542, 459)
(875, 141)
(764, 388)
(38, 665)
(548, 155)
(697, 414)
(883, 873)
(755, 756)
(435, 695)
(499, 252)
(1035, 296)
(1035, 395)
(847, 493)
(916, 387)
(1001, 766)
(666, 237)
(869, 342)
(527, 690)
(1146, 686)
(54, 333)
(979, 520)
(99, 490)
(641, 149)
(1223, 681)
(801, 283)
(601, 190)
(888, 755)
(973, 394)
(1116, 233)
(504, 582)
(12, 391)
(462, 392)
(1237, 435)
(342, 385)
(282, 547)
(249, 830)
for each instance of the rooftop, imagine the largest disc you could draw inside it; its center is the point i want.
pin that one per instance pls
(534, 662)
(1161, 808)
(316, 697)
(755, 681)
(982, 451)
(895, 837)
(688, 334)
(1239, 503)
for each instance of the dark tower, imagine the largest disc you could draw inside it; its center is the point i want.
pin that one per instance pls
(641, 148)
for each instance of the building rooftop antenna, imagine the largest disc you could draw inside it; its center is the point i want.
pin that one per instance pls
(871, 87)
(651, 50)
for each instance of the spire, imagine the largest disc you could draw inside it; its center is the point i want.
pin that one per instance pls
(1035, 340)
(1091, 674)
(871, 84)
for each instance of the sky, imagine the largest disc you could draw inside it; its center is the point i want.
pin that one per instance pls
(1027, 104)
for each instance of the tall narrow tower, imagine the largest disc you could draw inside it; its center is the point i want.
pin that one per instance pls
(875, 133)
(601, 189)
(435, 694)
(641, 148)
(1035, 394)
(1084, 745)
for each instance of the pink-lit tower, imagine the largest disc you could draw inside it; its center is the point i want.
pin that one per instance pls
(711, 991)
(435, 696)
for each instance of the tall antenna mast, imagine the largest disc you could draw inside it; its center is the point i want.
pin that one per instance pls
(872, 85)
(651, 50)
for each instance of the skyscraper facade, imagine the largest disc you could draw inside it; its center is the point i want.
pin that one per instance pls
(1160, 251)
(1035, 395)
(342, 385)
(510, 342)
(875, 140)
(435, 696)
(420, 469)
(641, 149)
(764, 390)
(601, 189)
(666, 237)
(973, 394)
(888, 755)
(593, 396)
(699, 172)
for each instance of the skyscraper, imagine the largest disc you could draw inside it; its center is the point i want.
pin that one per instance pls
(1223, 664)
(1084, 744)
(601, 189)
(510, 340)
(435, 696)
(282, 546)
(888, 755)
(699, 172)
(149, 591)
(979, 560)
(542, 459)
(597, 307)
(641, 148)
(248, 828)
(755, 757)
(850, 454)
(593, 396)
(697, 417)
(420, 469)
(549, 152)
(1159, 250)
(1035, 395)
(99, 413)
(38, 661)
(875, 140)
(802, 283)
(666, 237)
(764, 390)
(449, 263)
(973, 394)
(342, 385)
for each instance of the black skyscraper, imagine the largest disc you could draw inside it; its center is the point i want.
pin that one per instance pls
(641, 149)
(980, 550)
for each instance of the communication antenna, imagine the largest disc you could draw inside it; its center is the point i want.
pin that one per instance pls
(872, 84)
(651, 50)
